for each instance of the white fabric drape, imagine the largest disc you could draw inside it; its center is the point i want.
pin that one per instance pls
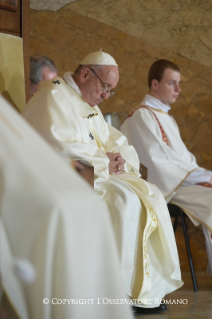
(54, 219)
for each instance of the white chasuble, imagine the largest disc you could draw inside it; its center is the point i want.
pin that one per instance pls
(138, 212)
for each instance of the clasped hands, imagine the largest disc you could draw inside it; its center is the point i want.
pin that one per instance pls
(116, 165)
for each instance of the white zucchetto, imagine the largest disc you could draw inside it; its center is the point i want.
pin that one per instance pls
(98, 58)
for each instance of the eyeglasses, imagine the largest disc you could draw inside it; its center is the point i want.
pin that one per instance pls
(105, 87)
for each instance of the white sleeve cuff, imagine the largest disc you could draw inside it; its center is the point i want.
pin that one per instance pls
(198, 176)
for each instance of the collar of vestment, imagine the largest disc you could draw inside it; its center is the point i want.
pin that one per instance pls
(70, 81)
(82, 107)
(155, 104)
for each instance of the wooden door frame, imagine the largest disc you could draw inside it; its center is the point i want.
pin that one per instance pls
(18, 25)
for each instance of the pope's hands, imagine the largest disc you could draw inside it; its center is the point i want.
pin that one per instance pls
(116, 165)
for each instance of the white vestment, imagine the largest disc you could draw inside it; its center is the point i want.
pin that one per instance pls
(53, 218)
(170, 165)
(142, 226)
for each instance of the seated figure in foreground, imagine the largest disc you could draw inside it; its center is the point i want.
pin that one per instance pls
(65, 113)
(155, 135)
(58, 254)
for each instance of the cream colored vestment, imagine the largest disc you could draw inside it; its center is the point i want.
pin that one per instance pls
(169, 165)
(142, 226)
(54, 219)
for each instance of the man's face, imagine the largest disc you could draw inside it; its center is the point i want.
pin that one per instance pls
(48, 74)
(168, 89)
(92, 89)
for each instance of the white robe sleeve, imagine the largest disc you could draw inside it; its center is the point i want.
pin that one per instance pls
(203, 176)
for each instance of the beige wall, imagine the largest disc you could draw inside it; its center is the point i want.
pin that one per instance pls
(137, 33)
(12, 84)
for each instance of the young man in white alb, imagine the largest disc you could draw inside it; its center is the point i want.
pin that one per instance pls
(156, 137)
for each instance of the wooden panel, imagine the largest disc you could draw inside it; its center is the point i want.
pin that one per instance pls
(25, 36)
(10, 22)
(10, 5)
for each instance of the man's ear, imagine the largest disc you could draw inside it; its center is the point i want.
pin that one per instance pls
(33, 88)
(154, 84)
(84, 75)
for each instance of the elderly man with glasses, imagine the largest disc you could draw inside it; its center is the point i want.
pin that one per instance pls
(65, 112)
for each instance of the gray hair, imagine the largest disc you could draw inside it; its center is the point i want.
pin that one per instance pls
(37, 63)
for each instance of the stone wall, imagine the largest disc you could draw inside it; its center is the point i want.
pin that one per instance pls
(182, 26)
(52, 5)
(69, 34)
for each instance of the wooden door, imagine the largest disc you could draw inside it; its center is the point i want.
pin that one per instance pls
(14, 20)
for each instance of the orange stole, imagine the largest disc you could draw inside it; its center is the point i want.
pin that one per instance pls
(164, 137)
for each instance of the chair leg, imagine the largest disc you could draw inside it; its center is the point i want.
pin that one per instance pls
(188, 250)
(175, 223)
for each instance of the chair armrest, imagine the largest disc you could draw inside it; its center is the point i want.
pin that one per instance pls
(144, 172)
(87, 172)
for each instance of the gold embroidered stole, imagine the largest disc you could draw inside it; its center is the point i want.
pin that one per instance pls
(151, 225)
(98, 140)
